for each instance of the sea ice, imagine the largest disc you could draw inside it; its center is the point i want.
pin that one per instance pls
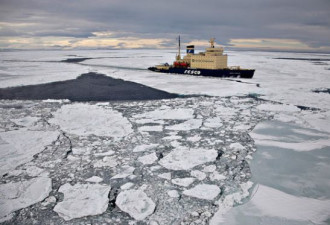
(18, 195)
(148, 159)
(19, 146)
(168, 114)
(278, 108)
(94, 179)
(85, 119)
(82, 200)
(198, 174)
(236, 146)
(184, 182)
(187, 125)
(213, 122)
(203, 191)
(166, 176)
(185, 159)
(173, 193)
(136, 203)
(151, 128)
(125, 172)
(28, 121)
(143, 148)
(271, 203)
(107, 161)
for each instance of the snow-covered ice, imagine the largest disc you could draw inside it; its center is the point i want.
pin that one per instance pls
(184, 182)
(19, 146)
(136, 203)
(199, 137)
(148, 159)
(85, 119)
(203, 191)
(185, 159)
(143, 148)
(18, 195)
(82, 200)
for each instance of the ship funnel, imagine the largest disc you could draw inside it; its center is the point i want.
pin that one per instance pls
(190, 49)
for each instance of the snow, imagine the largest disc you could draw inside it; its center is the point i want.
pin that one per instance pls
(184, 182)
(19, 146)
(148, 159)
(143, 148)
(19, 195)
(185, 159)
(82, 200)
(85, 119)
(136, 203)
(203, 191)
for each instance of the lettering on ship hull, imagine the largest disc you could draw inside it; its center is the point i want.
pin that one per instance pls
(196, 72)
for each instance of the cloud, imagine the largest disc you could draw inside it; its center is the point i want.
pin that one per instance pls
(303, 20)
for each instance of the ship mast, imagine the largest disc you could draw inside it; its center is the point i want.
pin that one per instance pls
(178, 57)
(212, 42)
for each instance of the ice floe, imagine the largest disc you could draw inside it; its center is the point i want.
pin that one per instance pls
(18, 195)
(198, 174)
(168, 114)
(184, 182)
(125, 172)
(136, 203)
(203, 191)
(85, 119)
(279, 207)
(19, 146)
(278, 108)
(143, 148)
(187, 125)
(185, 159)
(148, 159)
(28, 121)
(82, 200)
(94, 179)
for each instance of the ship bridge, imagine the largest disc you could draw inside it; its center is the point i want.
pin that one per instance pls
(212, 58)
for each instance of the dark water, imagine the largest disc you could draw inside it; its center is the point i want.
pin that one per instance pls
(87, 87)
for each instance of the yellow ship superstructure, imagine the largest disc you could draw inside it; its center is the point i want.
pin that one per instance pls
(212, 58)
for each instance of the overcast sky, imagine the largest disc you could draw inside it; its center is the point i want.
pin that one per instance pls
(302, 25)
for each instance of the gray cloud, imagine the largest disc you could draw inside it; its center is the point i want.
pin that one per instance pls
(304, 20)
